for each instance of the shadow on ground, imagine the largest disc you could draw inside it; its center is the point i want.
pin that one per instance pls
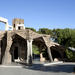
(55, 68)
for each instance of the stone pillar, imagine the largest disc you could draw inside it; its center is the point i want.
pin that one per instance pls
(0, 50)
(7, 57)
(49, 54)
(29, 51)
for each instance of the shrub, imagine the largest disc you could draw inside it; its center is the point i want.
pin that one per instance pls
(70, 55)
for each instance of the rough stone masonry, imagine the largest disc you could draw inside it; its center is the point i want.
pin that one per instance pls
(16, 44)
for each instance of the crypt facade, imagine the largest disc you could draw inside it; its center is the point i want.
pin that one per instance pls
(16, 44)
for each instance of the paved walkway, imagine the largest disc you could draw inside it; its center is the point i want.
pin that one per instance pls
(38, 69)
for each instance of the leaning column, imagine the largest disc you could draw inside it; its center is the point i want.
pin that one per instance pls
(7, 56)
(49, 53)
(29, 51)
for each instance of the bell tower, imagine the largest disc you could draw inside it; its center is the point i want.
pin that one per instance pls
(18, 24)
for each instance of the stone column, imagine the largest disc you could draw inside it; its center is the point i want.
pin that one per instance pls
(29, 51)
(49, 54)
(7, 57)
(0, 50)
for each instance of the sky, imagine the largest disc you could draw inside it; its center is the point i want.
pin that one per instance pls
(50, 14)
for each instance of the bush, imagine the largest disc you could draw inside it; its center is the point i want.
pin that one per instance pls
(70, 55)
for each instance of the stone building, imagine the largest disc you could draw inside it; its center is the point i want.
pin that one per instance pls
(16, 44)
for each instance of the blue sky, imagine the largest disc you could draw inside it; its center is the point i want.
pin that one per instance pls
(40, 13)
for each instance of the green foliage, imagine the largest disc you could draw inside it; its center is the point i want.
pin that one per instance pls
(70, 55)
(45, 31)
(31, 29)
(35, 49)
(65, 37)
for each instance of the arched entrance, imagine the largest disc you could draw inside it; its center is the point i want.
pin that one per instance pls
(18, 49)
(16, 53)
(36, 52)
(41, 48)
(56, 55)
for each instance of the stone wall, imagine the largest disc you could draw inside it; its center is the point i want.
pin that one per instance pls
(3, 44)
